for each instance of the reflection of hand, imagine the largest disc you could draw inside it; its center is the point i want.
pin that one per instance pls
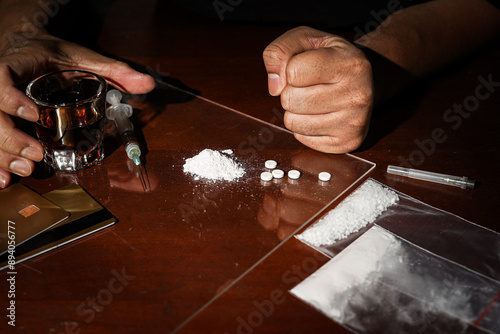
(29, 58)
(284, 212)
(326, 88)
(296, 203)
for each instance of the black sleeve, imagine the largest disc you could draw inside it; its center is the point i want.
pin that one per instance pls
(495, 3)
(330, 13)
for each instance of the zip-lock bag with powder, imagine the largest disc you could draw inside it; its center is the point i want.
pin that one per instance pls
(414, 269)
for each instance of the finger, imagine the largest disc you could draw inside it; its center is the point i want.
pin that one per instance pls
(15, 164)
(339, 123)
(116, 72)
(334, 64)
(326, 98)
(278, 53)
(317, 99)
(313, 67)
(315, 125)
(330, 144)
(17, 143)
(4, 178)
(12, 100)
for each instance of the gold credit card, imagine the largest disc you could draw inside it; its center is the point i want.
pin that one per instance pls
(87, 217)
(25, 214)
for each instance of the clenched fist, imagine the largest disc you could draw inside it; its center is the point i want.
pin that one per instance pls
(326, 88)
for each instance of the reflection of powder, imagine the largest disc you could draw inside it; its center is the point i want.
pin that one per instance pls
(359, 209)
(214, 165)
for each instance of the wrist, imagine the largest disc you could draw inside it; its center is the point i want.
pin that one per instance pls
(388, 77)
(20, 21)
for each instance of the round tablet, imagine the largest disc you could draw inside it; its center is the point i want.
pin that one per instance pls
(278, 173)
(324, 176)
(266, 176)
(270, 164)
(294, 174)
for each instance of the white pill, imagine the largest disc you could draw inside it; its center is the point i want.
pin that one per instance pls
(278, 173)
(266, 176)
(294, 174)
(271, 164)
(324, 176)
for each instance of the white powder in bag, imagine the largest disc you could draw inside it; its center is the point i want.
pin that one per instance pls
(214, 165)
(357, 210)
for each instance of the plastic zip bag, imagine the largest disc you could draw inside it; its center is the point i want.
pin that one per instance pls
(420, 270)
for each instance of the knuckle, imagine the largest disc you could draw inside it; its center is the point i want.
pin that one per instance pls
(345, 143)
(285, 98)
(6, 123)
(288, 121)
(361, 65)
(350, 144)
(354, 144)
(361, 98)
(120, 63)
(6, 101)
(294, 70)
(334, 144)
(8, 142)
(358, 122)
(273, 54)
(301, 28)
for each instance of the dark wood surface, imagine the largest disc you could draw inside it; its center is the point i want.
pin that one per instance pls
(205, 257)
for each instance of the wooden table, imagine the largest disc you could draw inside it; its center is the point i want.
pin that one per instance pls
(196, 256)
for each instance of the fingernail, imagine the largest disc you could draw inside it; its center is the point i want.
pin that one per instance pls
(20, 167)
(27, 113)
(32, 153)
(3, 181)
(273, 83)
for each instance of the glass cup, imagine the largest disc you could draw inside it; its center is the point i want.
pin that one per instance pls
(72, 118)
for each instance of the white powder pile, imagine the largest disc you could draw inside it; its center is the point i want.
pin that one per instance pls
(214, 165)
(359, 209)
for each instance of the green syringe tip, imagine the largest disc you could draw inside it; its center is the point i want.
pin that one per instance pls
(135, 155)
(133, 152)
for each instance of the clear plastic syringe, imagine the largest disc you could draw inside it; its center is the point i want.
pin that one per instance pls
(120, 113)
(451, 180)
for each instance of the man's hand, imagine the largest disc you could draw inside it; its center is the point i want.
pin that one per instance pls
(326, 88)
(33, 57)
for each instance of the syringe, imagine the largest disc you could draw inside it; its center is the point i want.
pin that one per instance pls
(451, 180)
(120, 113)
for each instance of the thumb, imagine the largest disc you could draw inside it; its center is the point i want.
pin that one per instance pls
(278, 53)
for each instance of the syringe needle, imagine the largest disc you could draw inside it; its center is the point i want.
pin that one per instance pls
(147, 178)
(142, 179)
